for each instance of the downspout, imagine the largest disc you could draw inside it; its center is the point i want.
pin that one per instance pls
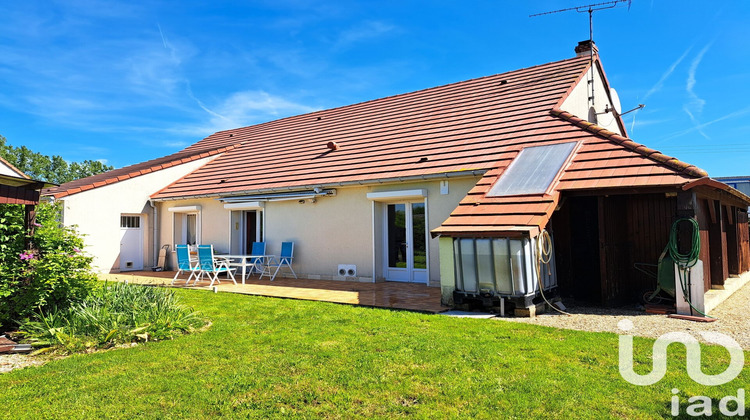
(155, 237)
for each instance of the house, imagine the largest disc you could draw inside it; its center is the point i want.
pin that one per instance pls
(450, 187)
(18, 188)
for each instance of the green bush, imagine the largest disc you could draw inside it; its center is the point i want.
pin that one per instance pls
(116, 313)
(53, 274)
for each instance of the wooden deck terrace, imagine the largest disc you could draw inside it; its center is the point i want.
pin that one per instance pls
(391, 295)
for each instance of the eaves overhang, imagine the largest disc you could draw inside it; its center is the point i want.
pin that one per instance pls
(379, 181)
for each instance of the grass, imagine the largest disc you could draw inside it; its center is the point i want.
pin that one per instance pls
(266, 357)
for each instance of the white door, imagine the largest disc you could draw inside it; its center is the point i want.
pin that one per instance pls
(131, 243)
(406, 242)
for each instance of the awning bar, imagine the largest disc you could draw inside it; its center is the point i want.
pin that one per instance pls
(280, 196)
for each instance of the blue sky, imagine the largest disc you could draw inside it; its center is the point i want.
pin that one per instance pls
(125, 82)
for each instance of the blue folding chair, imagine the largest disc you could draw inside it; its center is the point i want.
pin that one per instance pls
(211, 266)
(285, 259)
(184, 264)
(257, 259)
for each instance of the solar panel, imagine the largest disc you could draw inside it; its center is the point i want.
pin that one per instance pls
(533, 170)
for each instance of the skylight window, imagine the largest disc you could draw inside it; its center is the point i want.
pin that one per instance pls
(533, 170)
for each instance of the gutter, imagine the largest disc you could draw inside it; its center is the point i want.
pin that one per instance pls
(155, 234)
(425, 177)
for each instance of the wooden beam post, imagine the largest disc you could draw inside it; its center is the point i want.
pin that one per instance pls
(603, 252)
(29, 220)
(687, 203)
(717, 243)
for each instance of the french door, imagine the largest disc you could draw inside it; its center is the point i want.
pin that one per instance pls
(406, 242)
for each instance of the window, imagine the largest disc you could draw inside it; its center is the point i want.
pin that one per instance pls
(533, 170)
(186, 228)
(131, 222)
(186, 225)
(191, 228)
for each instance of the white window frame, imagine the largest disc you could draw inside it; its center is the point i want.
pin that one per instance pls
(396, 197)
(186, 210)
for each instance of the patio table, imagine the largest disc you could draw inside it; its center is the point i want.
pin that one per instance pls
(245, 261)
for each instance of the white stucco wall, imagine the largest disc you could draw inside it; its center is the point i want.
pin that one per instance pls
(334, 230)
(577, 103)
(97, 213)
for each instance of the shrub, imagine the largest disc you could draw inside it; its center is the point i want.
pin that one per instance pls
(53, 274)
(116, 313)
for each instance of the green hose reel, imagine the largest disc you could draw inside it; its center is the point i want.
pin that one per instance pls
(665, 273)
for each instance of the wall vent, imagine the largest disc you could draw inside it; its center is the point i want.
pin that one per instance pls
(347, 270)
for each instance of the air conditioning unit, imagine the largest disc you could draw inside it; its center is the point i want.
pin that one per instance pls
(347, 270)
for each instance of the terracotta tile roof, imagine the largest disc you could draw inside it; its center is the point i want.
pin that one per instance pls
(604, 160)
(674, 163)
(465, 126)
(132, 171)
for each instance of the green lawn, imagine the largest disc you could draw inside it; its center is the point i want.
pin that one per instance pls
(266, 357)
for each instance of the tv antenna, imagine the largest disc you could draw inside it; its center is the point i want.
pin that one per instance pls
(590, 8)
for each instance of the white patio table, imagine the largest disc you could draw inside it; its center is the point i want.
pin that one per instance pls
(245, 261)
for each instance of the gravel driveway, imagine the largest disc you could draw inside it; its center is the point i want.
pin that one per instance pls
(733, 320)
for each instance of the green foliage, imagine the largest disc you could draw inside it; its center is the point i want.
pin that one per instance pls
(53, 274)
(49, 168)
(12, 237)
(116, 313)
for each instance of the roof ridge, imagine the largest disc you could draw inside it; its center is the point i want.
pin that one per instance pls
(397, 95)
(626, 142)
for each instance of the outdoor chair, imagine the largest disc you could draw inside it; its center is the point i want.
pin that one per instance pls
(211, 266)
(285, 259)
(184, 264)
(257, 258)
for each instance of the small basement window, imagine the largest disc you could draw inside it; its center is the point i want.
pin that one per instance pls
(533, 170)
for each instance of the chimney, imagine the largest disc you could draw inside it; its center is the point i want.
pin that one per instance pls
(584, 48)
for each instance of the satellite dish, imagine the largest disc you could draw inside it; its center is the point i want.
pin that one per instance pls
(615, 100)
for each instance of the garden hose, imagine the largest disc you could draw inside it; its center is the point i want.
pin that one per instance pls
(685, 262)
(544, 256)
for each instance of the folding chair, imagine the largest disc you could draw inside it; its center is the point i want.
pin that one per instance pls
(285, 259)
(184, 264)
(257, 259)
(212, 266)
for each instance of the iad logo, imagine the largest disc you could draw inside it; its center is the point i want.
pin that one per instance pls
(693, 350)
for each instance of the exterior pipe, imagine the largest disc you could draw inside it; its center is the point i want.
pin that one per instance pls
(155, 237)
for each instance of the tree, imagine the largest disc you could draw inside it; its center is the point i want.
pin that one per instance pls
(49, 168)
